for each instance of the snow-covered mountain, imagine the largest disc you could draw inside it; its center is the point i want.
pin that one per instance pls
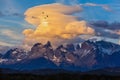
(15, 53)
(85, 56)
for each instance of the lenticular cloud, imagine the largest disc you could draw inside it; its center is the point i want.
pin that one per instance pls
(55, 23)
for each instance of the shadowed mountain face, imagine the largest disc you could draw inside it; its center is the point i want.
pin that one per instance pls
(88, 55)
(1, 55)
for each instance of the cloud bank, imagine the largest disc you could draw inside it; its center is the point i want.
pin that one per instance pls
(111, 28)
(54, 22)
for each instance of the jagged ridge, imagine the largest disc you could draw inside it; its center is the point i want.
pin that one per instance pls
(85, 56)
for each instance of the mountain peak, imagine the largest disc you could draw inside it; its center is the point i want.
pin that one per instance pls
(70, 47)
(48, 44)
(59, 47)
(37, 44)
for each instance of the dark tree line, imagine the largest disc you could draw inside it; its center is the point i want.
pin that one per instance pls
(60, 76)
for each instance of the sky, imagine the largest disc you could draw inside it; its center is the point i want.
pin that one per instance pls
(16, 26)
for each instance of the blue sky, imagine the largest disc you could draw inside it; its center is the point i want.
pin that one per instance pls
(12, 21)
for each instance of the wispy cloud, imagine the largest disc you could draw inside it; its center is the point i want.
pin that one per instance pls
(11, 34)
(76, 2)
(22, 24)
(70, 2)
(5, 44)
(12, 14)
(105, 7)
